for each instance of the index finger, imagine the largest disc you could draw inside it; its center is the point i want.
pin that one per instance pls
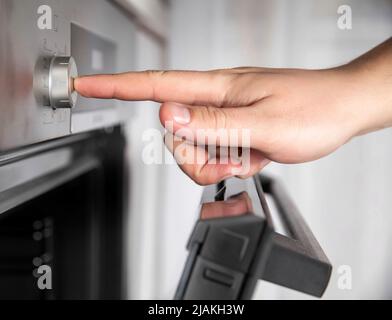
(188, 87)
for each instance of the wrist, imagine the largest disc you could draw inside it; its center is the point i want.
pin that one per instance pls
(370, 77)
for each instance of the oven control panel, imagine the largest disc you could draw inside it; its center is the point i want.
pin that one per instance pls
(40, 41)
(53, 82)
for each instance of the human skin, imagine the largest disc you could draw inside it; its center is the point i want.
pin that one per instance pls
(293, 115)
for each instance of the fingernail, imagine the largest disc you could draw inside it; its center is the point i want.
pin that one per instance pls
(180, 113)
(236, 171)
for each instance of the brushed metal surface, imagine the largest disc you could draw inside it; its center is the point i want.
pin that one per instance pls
(23, 119)
(94, 54)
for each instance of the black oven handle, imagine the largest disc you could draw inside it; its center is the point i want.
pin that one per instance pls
(296, 261)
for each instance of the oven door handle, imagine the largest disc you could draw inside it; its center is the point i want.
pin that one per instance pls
(297, 260)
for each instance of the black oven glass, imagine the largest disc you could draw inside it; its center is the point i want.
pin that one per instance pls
(74, 227)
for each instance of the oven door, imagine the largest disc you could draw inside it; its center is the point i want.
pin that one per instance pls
(61, 218)
(238, 241)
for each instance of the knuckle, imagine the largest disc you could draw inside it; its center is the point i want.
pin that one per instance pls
(155, 73)
(198, 177)
(154, 76)
(246, 83)
(215, 117)
(229, 82)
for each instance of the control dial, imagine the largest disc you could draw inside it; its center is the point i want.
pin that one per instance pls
(53, 82)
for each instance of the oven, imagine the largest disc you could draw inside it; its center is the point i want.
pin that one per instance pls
(63, 174)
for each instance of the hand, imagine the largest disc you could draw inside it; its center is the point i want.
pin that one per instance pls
(292, 115)
(237, 205)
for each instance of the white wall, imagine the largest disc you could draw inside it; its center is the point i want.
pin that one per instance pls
(347, 197)
(144, 225)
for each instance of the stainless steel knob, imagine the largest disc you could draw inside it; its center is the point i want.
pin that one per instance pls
(53, 82)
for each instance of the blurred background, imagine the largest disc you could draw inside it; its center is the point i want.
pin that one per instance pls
(346, 198)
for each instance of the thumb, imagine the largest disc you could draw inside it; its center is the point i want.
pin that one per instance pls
(210, 125)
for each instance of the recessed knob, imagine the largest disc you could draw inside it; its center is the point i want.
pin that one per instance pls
(53, 82)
